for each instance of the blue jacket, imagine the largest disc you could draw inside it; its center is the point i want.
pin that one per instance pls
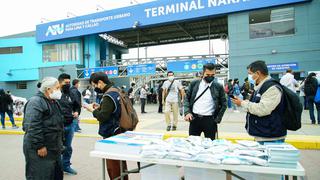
(269, 126)
(108, 127)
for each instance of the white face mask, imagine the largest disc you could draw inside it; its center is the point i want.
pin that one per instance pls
(251, 80)
(56, 95)
(171, 78)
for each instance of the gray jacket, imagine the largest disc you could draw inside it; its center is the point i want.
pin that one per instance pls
(218, 96)
(43, 123)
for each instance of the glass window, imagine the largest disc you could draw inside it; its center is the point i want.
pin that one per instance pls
(60, 52)
(22, 85)
(11, 50)
(269, 23)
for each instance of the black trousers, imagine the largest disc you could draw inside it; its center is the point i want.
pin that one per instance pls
(132, 101)
(160, 109)
(143, 104)
(203, 124)
(46, 168)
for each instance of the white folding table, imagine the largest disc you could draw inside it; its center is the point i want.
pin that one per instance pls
(294, 172)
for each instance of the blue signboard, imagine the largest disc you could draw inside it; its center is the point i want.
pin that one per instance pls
(283, 66)
(188, 65)
(111, 71)
(141, 69)
(152, 13)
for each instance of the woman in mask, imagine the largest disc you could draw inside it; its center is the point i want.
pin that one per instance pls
(43, 126)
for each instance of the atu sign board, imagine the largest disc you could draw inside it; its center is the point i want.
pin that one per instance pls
(147, 14)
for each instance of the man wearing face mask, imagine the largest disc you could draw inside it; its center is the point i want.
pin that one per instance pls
(70, 112)
(170, 97)
(205, 104)
(108, 115)
(43, 126)
(265, 107)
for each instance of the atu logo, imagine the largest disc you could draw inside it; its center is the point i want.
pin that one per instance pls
(55, 29)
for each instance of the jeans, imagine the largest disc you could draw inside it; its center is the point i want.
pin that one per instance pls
(75, 125)
(310, 100)
(229, 102)
(275, 141)
(3, 115)
(66, 155)
(143, 104)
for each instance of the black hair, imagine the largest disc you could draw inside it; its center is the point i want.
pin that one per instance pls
(75, 81)
(246, 79)
(63, 76)
(209, 66)
(309, 78)
(259, 66)
(2, 92)
(170, 72)
(95, 77)
(39, 85)
(235, 81)
(289, 70)
(230, 80)
(133, 84)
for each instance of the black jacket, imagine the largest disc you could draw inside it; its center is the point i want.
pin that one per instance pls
(67, 104)
(6, 103)
(43, 124)
(310, 87)
(218, 96)
(76, 96)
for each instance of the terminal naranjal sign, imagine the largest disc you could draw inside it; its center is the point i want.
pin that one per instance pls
(147, 14)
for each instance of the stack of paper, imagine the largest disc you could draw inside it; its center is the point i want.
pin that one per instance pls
(282, 155)
(127, 143)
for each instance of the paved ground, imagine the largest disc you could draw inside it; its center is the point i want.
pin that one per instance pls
(12, 159)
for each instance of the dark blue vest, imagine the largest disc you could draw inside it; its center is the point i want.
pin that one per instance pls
(109, 127)
(269, 126)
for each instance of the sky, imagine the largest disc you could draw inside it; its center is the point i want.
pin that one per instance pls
(17, 16)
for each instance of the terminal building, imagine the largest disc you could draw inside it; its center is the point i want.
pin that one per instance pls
(285, 34)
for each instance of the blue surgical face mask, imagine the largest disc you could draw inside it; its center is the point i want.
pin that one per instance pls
(251, 80)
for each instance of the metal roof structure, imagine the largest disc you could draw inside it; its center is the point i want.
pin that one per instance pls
(209, 28)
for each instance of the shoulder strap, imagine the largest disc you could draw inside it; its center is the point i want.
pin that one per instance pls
(201, 95)
(170, 87)
(268, 84)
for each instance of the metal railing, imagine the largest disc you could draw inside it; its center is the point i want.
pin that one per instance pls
(221, 60)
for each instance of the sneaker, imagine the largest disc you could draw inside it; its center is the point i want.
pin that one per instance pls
(69, 170)
(15, 127)
(168, 128)
(313, 122)
(174, 128)
(3, 127)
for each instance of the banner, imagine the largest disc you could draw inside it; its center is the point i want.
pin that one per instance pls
(141, 70)
(147, 14)
(111, 71)
(283, 66)
(181, 66)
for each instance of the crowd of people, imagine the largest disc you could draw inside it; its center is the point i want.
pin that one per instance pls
(52, 115)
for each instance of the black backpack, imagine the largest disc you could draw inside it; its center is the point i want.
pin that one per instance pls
(293, 107)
